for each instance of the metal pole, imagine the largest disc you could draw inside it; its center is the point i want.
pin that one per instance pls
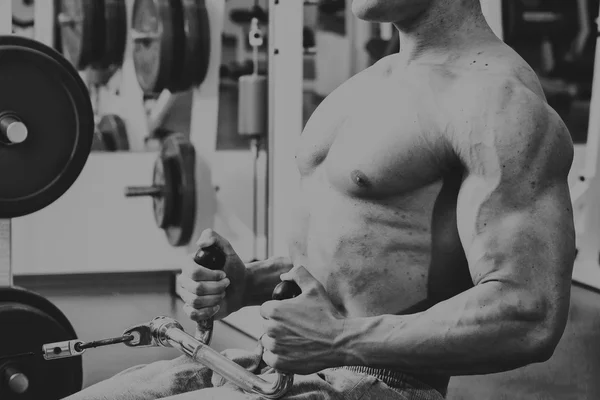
(6, 278)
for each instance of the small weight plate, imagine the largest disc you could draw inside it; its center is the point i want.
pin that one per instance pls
(29, 321)
(114, 133)
(196, 52)
(82, 30)
(154, 44)
(98, 142)
(47, 94)
(115, 19)
(179, 153)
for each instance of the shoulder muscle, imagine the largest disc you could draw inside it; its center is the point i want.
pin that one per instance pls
(513, 134)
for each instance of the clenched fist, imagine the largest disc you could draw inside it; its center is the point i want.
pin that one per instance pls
(208, 293)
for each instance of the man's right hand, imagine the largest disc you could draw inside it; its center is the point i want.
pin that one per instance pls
(208, 293)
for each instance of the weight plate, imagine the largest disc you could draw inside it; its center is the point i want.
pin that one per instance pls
(115, 19)
(196, 52)
(179, 153)
(47, 94)
(114, 133)
(98, 142)
(164, 205)
(29, 321)
(154, 44)
(82, 30)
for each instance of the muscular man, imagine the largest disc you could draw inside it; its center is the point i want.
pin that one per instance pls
(434, 232)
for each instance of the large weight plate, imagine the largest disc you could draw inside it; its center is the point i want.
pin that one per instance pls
(155, 43)
(115, 29)
(178, 153)
(40, 87)
(28, 322)
(196, 52)
(82, 30)
(164, 205)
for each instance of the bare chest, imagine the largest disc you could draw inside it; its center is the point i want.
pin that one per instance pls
(370, 141)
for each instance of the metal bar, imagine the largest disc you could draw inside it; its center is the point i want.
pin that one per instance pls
(5, 17)
(105, 342)
(285, 55)
(6, 278)
(226, 368)
(160, 110)
(44, 22)
(492, 10)
(593, 137)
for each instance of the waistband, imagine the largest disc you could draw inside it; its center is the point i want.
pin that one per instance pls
(402, 380)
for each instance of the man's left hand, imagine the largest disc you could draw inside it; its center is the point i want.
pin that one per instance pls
(301, 334)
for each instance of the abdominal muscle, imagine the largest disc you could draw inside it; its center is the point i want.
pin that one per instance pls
(372, 258)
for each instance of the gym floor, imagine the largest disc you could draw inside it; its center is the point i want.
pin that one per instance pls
(104, 306)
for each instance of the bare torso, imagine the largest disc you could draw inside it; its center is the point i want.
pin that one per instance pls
(376, 219)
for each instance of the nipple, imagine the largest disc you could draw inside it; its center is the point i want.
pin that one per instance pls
(360, 179)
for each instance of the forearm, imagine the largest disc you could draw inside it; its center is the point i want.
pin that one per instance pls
(262, 277)
(487, 329)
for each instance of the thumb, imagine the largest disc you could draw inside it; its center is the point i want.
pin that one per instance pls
(208, 238)
(301, 276)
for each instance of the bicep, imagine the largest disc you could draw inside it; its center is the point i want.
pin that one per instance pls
(517, 235)
(514, 209)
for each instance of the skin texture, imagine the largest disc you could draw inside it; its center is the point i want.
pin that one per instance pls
(434, 231)
(433, 184)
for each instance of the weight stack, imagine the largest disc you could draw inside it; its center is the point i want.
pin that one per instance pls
(252, 105)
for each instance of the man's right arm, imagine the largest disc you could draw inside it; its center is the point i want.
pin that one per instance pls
(262, 277)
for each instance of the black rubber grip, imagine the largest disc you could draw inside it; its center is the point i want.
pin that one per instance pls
(286, 290)
(211, 257)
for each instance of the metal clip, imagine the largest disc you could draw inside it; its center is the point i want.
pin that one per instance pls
(66, 349)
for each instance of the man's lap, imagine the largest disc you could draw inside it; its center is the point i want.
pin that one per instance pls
(183, 379)
(326, 385)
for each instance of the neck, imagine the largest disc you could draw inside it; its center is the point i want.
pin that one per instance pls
(441, 31)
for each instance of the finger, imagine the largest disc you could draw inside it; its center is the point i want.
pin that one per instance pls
(272, 360)
(202, 314)
(271, 328)
(267, 309)
(269, 344)
(199, 302)
(200, 273)
(301, 276)
(203, 287)
(207, 238)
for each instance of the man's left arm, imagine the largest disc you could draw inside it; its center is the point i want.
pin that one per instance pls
(515, 221)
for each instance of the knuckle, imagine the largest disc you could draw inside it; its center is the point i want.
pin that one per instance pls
(194, 301)
(272, 360)
(270, 328)
(265, 311)
(199, 288)
(203, 313)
